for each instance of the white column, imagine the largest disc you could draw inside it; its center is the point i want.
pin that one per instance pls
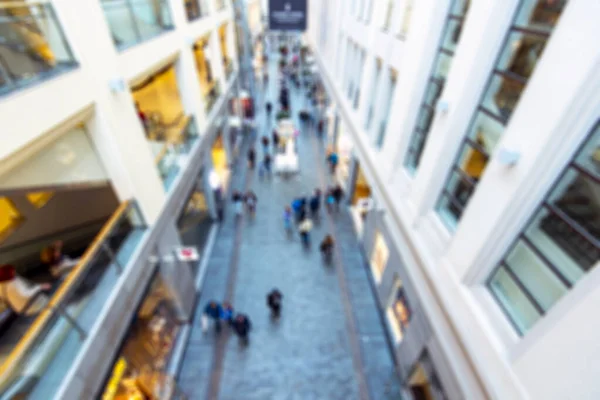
(231, 43)
(216, 58)
(116, 130)
(189, 88)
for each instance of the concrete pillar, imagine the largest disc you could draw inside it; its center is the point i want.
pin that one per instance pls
(190, 90)
(216, 58)
(117, 134)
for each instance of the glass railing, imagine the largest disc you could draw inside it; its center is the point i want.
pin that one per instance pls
(173, 151)
(135, 21)
(212, 96)
(32, 45)
(35, 367)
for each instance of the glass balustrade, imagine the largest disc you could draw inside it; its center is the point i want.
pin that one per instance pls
(32, 45)
(34, 367)
(135, 21)
(174, 151)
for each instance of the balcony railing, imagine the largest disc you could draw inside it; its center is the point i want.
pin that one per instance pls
(169, 157)
(196, 9)
(212, 96)
(135, 21)
(32, 45)
(42, 358)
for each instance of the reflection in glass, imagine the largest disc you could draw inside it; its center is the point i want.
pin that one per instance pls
(540, 15)
(558, 246)
(442, 66)
(502, 95)
(521, 53)
(486, 131)
(514, 302)
(452, 34)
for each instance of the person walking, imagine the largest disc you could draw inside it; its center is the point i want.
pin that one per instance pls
(241, 326)
(251, 158)
(238, 202)
(269, 107)
(251, 200)
(338, 194)
(326, 248)
(315, 204)
(265, 144)
(213, 311)
(329, 199)
(227, 313)
(267, 164)
(275, 137)
(304, 228)
(320, 127)
(274, 302)
(332, 159)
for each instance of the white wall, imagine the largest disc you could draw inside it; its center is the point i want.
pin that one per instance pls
(555, 360)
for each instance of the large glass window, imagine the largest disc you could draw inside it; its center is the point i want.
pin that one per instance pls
(516, 62)
(391, 88)
(557, 247)
(433, 91)
(399, 313)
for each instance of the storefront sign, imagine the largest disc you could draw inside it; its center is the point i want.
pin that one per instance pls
(287, 15)
(187, 254)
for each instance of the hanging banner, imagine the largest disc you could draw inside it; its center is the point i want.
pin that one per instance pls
(287, 15)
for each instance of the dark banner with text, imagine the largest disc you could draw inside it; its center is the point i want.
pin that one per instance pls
(287, 15)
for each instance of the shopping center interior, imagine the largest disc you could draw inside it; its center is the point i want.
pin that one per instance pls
(370, 165)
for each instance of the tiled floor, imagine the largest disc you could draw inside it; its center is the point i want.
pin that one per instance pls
(329, 342)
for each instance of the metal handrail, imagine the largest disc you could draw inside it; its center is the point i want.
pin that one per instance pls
(27, 341)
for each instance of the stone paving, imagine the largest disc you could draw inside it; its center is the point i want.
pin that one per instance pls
(329, 342)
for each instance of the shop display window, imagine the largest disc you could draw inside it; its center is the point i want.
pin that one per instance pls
(10, 218)
(379, 257)
(399, 313)
(140, 369)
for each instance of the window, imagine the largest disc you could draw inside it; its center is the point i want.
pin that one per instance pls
(391, 88)
(557, 247)
(39, 199)
(399, 313)
(379, 257)
(408, 6)
(387, 19)
(522, 49)
(374, 91)
(10, 218)
(435, 85)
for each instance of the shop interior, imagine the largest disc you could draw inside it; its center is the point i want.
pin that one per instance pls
(219, 159)
(162, 114)
(398, 312)
(379, 256)
(423, 382)
(343, 147)
(140, 369)
(208, 84)
(361, 201)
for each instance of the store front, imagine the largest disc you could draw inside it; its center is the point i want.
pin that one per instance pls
(220, 159)
(423, 382)
(379, 257)
(398, 311)
(140, 368)
(343, 147)
(360, 199)
(196, 218)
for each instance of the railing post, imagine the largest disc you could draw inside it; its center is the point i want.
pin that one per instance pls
(61, 311)
(113, 257)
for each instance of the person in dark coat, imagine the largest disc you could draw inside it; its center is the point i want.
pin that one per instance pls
(267, 163)
(265, 143)
(213, 311)
(269, 108)
(251, 158)
(338, 194)
(274, 302)
(275, 139)
(315, 203)
(241, 326)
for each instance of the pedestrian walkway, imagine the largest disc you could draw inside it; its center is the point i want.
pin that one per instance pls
(329, 342)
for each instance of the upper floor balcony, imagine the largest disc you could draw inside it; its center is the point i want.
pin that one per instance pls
(135, 21)
(32, 46)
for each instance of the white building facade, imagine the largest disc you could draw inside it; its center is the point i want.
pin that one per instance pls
(473, 128)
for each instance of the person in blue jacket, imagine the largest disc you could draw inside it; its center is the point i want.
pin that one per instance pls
(213, 311)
